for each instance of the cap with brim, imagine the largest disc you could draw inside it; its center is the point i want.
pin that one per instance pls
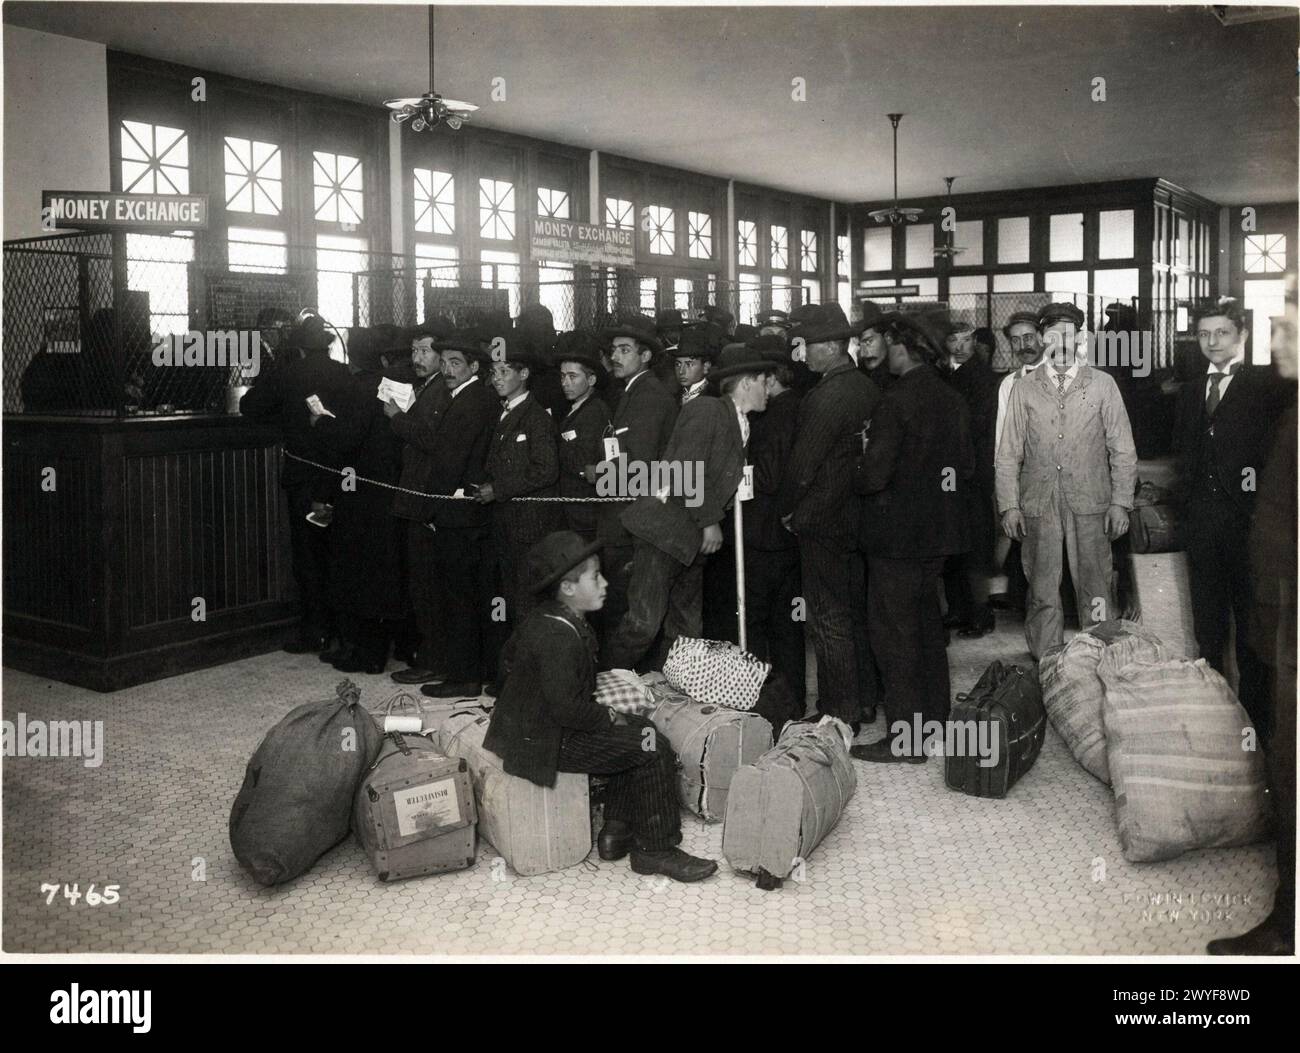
(1020, 318)
(773, 318)
(554, 556)
(739, 359)
(1060, 312)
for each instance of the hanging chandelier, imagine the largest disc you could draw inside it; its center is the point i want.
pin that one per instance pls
(948, 250)
(894, 215)
(430, 109)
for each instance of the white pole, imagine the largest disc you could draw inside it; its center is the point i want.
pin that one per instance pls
(738, 520)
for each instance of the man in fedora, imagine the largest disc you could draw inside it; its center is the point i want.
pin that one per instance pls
(461, 578)
(918, 464)
(521, 462)
(676, 532)
(692, 358)
(1066, 470)
(546, 719)
(817, 505)
(286, 396)
(873, 352)
(582, 429)
(643, 420)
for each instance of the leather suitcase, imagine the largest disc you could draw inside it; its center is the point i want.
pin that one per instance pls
(1009, 702)
(536, 829)
(1153, 528)
(414, 811)
(711, 743)
(783, 805)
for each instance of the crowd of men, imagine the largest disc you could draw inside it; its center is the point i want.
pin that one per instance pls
(894, 474)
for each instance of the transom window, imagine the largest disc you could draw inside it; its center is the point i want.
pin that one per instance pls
(618, 213)
(780, 248)
(253, 178)
(663, 236)
(807, 250)
(1265, 253)
(496, 209)
(699, 235)
(435, 201)
(155, 159)
(842, 256)
(337, 186)
(747, 242)
(553, 204)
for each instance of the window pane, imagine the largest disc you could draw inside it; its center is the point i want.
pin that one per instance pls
(1115, 234)
(781, 297)
(807, 250)
(157, 265)
(1066, 237)
(750, 301)
(155, 159)
(434, 199)
(618, 213)
(747, 243)
(1119, 285)
(649, 290)
(842, 256)
(555, 292)
(844, 297)
(1013, 283)
(438, 262)
(552, 203)
(1184, 256)
(496, 209)
(812, 290)
(254, 249)
(504, 276)
(700, 235)
(970, 236)
(1264, 253)
(663, 236)
(929, 289)
(1072, 282)
(878, 248)
(337, 259)
(682, 294)
(336, 181)
(920, 246)
(1013, 240)
(1264, 299)
(965, 284)
(252, 171)
(780, 255)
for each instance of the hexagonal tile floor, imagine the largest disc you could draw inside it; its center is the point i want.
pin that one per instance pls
(912, 868)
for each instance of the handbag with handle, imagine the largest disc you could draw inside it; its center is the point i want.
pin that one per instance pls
(715, 672)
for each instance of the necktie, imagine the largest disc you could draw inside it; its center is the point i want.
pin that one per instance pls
(1060, 384)
(1216, 390)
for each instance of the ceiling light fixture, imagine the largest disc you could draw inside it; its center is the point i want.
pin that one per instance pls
(948, 250)
(430, 109)
(895, 215)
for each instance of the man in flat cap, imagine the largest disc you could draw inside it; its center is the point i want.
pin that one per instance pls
(817, 505)
(676, 532)
(918, 464)
(642, 422)
(582, 430)
(1066, 471)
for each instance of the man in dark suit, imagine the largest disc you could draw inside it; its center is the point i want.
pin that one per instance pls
(521, 462)
(816, 504)
(966, 577)
(675, 535)
(288, 395)
(416, 427)
(1224, 433)
(582, 430)
(918, 463)
(643, 420)
(462, 578)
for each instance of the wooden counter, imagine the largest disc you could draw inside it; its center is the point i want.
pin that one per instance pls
(146, 516)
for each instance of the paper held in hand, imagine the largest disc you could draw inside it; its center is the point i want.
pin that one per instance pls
(317, 407)
(402, 394)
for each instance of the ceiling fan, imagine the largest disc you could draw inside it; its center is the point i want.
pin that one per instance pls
(895, 215)
(430, 109)
(949, 249)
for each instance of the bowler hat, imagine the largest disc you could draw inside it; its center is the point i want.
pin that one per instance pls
(1020, 318)
(639, 327)
(467, 346)
(554, 556)
(672, 320)
(580, 347)
(695, 343)
(825, 323)
(739, 358)
(871, 315)
(310, 335)
(1060, 312)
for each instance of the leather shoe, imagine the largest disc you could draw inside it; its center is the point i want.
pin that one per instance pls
(359, 662)
(307, 645)
(615, 840)
(415, 676)
(882, 753)
(1266, 938)
(672, 863)
(460, 689)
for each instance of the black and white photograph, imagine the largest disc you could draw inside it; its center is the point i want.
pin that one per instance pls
(583, 483)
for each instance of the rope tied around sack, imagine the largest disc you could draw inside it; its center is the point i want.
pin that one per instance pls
(457, 497)
(348, 692)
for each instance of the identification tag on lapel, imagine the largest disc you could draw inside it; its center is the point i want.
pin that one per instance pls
(521, 437)
(612, 452)
(568, 436)
(745, 491)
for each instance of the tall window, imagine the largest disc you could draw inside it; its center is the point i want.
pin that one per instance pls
(750, 298)
(618, 213)
(1013, 240)
(257, 249)
(843, 288)
(747, 243)
(337, 260)
(649, 293)
(434, 197)
(1265, 253)
(253, 177)
(699, 235)
(496, 209)
(807, 250)
(439, 264)
(780, 254)
(682, 292)
(553, 204)
(555, 292)
(155, 159)
(878, 249)
(338, 190)
(504, 275)
(663, 236)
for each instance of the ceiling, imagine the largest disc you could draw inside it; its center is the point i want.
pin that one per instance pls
(999, 97)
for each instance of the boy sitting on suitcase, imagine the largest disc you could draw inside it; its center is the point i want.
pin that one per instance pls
(546, 719)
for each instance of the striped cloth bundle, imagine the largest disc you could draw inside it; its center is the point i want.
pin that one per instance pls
(1183, 761)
